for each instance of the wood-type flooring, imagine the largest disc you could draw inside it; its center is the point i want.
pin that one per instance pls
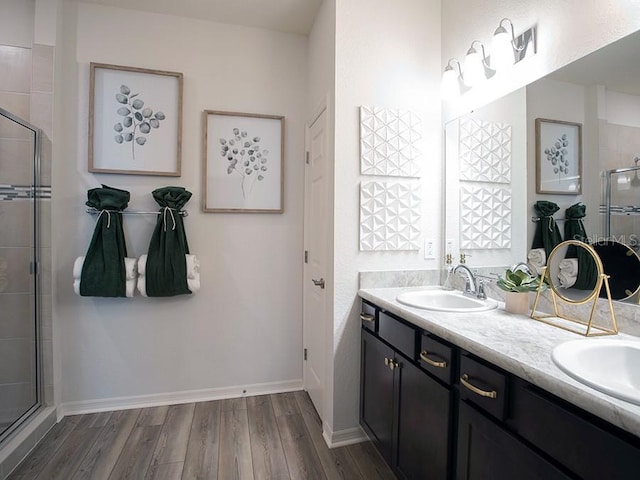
(269, 437)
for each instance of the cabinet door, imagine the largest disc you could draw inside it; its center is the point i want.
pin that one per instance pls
(423, 426)
(376, 393)
(486, 451)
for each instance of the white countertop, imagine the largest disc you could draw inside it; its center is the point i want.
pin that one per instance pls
(519, 345)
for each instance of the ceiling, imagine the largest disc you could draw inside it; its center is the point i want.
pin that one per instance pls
(615, 66)
(290, 16)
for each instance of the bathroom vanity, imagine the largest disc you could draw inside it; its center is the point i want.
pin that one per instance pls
(477, 396)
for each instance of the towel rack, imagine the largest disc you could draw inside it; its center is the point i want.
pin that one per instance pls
(537, 219)
(95, 211)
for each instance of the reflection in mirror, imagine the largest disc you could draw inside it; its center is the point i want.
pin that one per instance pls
(565, 264)
(491, 162)
(622, 265)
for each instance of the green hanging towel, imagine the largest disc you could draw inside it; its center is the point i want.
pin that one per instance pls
(166, 273)
(547, 234)
(574, 230)
(103, 271)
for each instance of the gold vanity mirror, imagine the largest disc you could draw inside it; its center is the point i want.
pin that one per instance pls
(576, 276)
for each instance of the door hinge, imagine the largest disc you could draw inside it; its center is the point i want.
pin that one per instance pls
(306, 159)
(306, 256)
(305, 353)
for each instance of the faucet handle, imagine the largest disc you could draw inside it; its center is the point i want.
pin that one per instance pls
(463, 257)
(481, 294)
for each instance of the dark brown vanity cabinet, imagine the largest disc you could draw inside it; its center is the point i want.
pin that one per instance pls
(403, 409)
(437, 412)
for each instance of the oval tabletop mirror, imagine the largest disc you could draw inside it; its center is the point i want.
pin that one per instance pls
(574, 271)
(622, 264)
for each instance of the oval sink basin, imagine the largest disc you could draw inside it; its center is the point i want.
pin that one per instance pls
(608, 365)
(445, 301)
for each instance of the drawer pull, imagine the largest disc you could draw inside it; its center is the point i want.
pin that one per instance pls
(433, 363)
(366, 317)
(464, 379)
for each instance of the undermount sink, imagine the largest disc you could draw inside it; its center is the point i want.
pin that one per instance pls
(445, 301)
(611, 366)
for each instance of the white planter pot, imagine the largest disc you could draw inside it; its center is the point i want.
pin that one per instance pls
(517, 302)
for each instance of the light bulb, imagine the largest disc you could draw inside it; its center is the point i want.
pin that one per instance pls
(473, 68)
(450, 84)
(502, 55)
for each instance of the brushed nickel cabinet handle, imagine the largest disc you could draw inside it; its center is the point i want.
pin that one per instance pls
(366, 317)
(433, 363)
(464, 379)
(386, 361)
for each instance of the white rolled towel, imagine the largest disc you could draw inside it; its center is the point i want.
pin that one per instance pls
(569, 266)
(537, 257)
(76, 286)
(142, 265)
(130, 268)
(194, 284)
(77, 267)
(142, 285)
(193, 266)
(566, 280)
(130, 287)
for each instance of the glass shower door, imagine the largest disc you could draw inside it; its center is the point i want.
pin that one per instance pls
(20, 385)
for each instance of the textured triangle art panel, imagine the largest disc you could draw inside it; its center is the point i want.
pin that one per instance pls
(390, 216)
(390, 142)
(485, 217)
(485, 151)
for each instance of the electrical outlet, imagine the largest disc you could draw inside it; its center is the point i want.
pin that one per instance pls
(429, 249)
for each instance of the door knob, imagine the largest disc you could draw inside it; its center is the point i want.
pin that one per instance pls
(318, 283)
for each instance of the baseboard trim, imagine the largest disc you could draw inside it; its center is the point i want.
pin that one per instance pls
(173, 398)
(341, 438)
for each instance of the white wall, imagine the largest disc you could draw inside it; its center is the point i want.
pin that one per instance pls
(17, 23)
(244, 327)
(387, 55)
(622, 108)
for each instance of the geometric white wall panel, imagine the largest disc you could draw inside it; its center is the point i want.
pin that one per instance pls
(390, 142)
(390, 216)
(485, 151)
(485, 217)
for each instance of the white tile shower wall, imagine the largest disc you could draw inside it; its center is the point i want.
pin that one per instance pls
(390, 216)
(390, 142)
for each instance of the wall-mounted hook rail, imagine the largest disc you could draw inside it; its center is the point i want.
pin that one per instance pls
(537, 219)
(95, 211)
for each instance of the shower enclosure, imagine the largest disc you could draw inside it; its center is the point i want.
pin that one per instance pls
(20, 371)
(621, 206)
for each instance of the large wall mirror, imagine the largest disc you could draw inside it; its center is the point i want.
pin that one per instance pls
(585, 118)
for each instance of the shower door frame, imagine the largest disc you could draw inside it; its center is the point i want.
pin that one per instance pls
(35, 270)
(607, 195)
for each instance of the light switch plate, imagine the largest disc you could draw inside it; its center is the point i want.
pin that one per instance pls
(429, 249)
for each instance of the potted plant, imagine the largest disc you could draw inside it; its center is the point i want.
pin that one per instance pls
(517, 284)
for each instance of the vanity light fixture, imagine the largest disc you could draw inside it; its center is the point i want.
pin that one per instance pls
(507, 49)
(474, 64)
(451, 80)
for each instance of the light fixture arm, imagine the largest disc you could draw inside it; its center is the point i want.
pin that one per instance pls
(516, 47)
(484, 53)
(450, 67)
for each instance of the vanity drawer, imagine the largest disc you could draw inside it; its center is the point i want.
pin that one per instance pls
(398, 334)
(583, 446)
(484, 386)
(369, 316)
(436, 357)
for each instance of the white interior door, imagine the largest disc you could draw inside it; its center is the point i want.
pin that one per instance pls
(316, 218)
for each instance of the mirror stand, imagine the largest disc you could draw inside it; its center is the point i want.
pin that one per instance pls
(572, 324)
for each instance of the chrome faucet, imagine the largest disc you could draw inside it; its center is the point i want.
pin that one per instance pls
(474, 286)
(523, 267)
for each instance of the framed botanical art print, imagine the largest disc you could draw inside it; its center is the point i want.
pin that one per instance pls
(243, 165)
(135, 120)
(558, 157)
